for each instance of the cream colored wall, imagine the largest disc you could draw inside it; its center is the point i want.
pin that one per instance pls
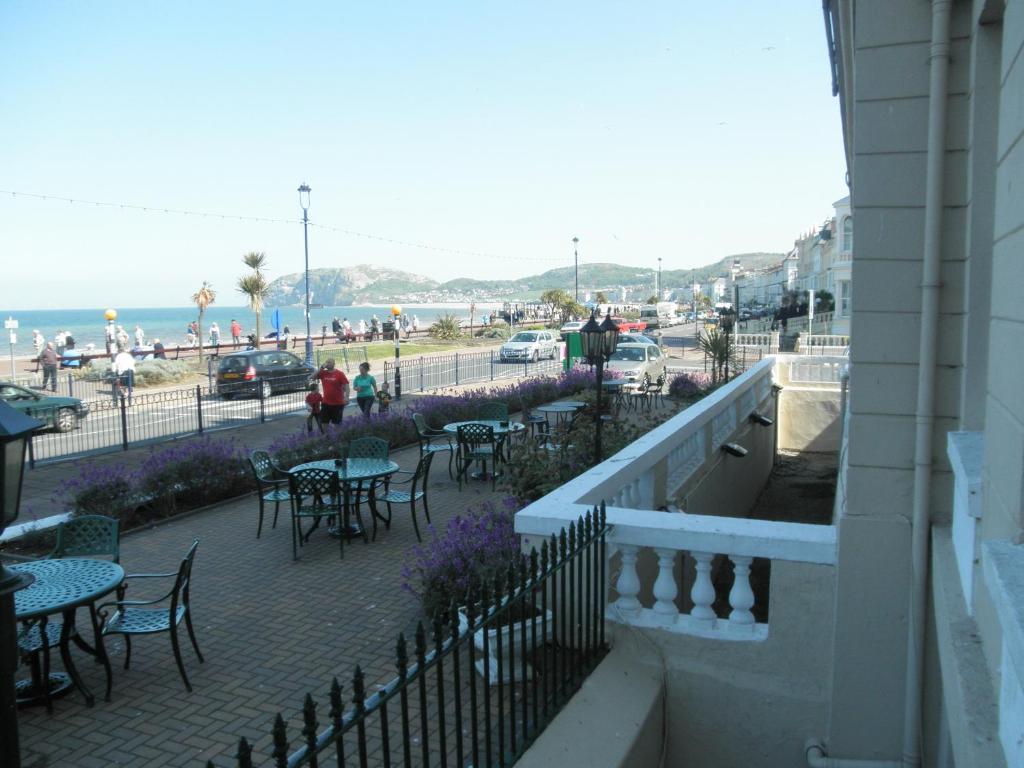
(890, 106)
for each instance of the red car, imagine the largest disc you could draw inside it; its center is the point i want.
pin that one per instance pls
(629, 326)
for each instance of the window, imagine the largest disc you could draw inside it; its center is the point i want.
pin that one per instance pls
(848, 234)
(844, 298)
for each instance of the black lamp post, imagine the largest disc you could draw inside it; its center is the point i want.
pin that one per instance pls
(598, 342)
(15, 430)
(659, 280)
(576, 256)
(304, 191)
(727, 322)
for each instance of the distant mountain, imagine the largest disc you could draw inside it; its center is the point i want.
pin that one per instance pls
(369, 284)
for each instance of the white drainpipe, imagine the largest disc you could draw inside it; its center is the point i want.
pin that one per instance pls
(925, 418)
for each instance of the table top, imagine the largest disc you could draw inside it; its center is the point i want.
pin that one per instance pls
(64, 584)
(560, 407)
(512, 426)
(354, 469)
(613, 384)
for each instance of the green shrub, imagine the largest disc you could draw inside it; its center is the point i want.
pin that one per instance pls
(153, 373)
(446, 327)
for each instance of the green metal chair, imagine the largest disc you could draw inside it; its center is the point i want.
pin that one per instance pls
(477, 443)
(417, 481)
(163, 614)
(492, 410)
(368, 448)
(426, 436)
(271, 485)
(315, 493)
(88, 536)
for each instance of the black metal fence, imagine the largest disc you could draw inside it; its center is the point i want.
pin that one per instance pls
(438, 371)
(480, 690)
(119, 419)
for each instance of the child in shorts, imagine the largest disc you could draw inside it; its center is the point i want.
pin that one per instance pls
(313, 402)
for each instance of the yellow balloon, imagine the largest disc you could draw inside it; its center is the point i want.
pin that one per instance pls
(396, 310)
(110, 314)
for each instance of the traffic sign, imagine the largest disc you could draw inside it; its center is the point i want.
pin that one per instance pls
(10, 323)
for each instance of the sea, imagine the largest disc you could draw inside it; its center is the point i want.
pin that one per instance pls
(169, 324)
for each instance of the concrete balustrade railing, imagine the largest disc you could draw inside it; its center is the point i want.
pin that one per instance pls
(679, 460)
(767, 342)
(821, 344)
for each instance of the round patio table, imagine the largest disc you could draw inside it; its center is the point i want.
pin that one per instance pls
(354, 471)
(501, 430)
(62, 586)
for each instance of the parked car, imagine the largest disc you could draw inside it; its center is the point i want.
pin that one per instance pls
(528, 345)
(636, 338)
(60, 413)
(637, 363)
(573, 326)
(262, 373)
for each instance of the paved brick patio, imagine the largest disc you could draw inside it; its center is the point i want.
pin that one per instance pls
(270, 629)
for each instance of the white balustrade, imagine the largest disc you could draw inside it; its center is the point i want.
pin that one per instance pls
(741, 596)
(665, 589)
(703, 591)
(628, 584)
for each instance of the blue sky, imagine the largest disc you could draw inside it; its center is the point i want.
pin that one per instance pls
(681, 130)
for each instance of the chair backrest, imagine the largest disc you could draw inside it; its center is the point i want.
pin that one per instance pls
(87, 536)
(492, 411)
(180, 592)
(368, 448)
(419, 477)
(263, 467)
(313, 483)
(421, 425)
(475, 434)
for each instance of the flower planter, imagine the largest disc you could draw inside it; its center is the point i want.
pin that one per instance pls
(511, 635)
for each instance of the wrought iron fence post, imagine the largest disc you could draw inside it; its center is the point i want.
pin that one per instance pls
(124, 421)
(526, 367)
(209, 373)
(71, 385)
(456, 369)
(421, 373)
(492, 365)
(199, 406)
(263, 408)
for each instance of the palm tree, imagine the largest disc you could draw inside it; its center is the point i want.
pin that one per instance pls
(203, 298)
(255, 286)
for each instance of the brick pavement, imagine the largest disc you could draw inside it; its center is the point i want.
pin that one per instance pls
(270, 629)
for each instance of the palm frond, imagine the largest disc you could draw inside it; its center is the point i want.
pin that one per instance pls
(256, 260)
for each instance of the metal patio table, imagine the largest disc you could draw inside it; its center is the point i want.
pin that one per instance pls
(354, 471)
(502, 429)
(63, 586)
(562, 411)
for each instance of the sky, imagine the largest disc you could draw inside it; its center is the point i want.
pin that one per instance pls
(497, 131)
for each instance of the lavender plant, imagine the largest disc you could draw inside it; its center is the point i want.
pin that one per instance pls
(690, 384)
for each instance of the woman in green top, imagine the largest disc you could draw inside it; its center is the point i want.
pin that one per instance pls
(366, 389)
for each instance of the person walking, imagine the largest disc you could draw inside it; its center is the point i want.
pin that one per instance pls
(48, 360)
(362, 330)
(314, 403)
(38, 342)
(124, 370)
(158, 350)
(366, 389)
(214, 335)
(236, 332)
(374, 328)
(335, 397)
(415, 322)
(140, 336)
(190, 336)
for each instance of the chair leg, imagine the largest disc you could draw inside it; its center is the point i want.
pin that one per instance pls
(415, 524)
(296, 534)
(259, 525)
(192, 635)
(177, 657)
(451, 459)
(426, 509)
(277, 508)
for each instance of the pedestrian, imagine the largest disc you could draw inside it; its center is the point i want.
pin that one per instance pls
(362, 330)
(140, 337)
(314, 401)
(70, 358)
(366, 389)
(190, 336)
(383, 398)
(215, 335)
(124, 370)
(282, 340)
(158, 350)
(335, 396)
(60, 341)
(374, 328)
(415, 322)
(346, 329)
(122, 339)
(48, 360)
(38, 342)
(336, 325)
(406, 325)
(236, 332)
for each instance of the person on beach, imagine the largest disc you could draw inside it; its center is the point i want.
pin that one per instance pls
(236, 332)
(366, 389)
(190, 337)
(140, 336)
(374, 328)
(158, 350)
(314, 401)
(415, 322)
(122, 339)
(69, 358)
(346, 329)
(48, 360)
(335, 396)
(215, 334)
(336, 325)
(362, 330)
(406, 325)
(38, 342)
(60, 341)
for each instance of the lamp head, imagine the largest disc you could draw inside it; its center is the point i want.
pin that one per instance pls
(591, 340)
(304, 191)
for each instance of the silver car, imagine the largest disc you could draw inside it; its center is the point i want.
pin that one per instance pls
(528, 346)
(637, 362)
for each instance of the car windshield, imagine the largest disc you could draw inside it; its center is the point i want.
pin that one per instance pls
(631, 354)
(524, 337)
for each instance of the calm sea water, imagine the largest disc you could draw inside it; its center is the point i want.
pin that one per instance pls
(169, 324)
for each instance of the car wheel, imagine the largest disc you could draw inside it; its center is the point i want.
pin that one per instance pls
(266, 390)
(65, 420)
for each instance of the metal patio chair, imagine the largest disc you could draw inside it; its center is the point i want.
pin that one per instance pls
(417, 482)
(477, 443)
(271, 485)
(426, 437)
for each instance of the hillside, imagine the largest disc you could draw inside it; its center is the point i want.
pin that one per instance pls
(369, 284)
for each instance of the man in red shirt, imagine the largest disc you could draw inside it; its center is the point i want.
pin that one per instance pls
(236, 332)
(335, 396)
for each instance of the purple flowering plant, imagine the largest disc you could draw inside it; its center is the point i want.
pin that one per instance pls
(472, 550)
(191, 473)
(690, 385)
(102, 489)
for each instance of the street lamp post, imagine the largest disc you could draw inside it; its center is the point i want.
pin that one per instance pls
(396, 314)
(598, 342)
(659, 280)
(576, 257)
(15, 431)
(304, 191)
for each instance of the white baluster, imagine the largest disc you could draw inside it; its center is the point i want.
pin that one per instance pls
(741, 596)
(665, 589)
(703, 592)
(628, 584)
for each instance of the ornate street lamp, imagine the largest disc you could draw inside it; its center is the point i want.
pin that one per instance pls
(304, 191)
(15, 431)
(576, 257)
(598, 341)
(396, 317)
(727, 320)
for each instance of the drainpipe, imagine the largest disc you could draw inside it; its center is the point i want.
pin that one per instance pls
(925, 417)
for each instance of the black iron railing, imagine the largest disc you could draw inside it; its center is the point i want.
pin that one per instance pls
(483, 686)
(437, 371)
